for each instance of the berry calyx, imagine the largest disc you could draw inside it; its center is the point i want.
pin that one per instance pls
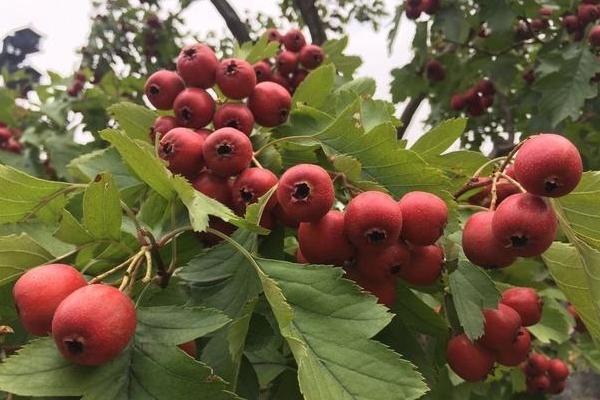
(425, 266)
(294, 40)
(236, 78)
(481, 246)
(182, 149)
(270, 104)
(311, 56)
(469, 360)
(424, 216)
(526, 302)
(197, 66)
(324, 241)
(162, 87)
(250, 185)
(194, 108)
(227, 152)
(501, 328)
(236, 116)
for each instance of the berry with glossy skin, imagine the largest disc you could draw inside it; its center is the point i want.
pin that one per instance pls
(39, 291)
(162, 125)
(234, 115)
(458, 102)
(501, 328)
(250, 185)
(270, 103)
(189, 348)
(548, 165)
(306, 192)
(373, 220)
(525, 224)
(273, 35)
(538, 384)
(311, 56)
(526, 302)
(213, 186)
(424, 216)
(558, 370)
(481, 246)
(194, 108)
(294, 40)
(425, 266)
(469, 360)
(227, 152)
(262, 70)
(324, 242)
(197, 66)
(286, 62)
(182, 149)
(162, 87)
(537, 364)
(236, 78)
(435, 71)
(517, 352)
(94, 324)
(383, 264)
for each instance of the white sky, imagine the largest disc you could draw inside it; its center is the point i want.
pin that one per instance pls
(64, 25)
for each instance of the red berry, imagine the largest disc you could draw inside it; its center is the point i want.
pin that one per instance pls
(162, 87)
(525, 225)
(476, 109)
(538, 24)
(537, 364)
(383, 264)
(300, 259)
(294, 40)
(469, 360)
(435, 71)
(384, 290)
(517, 352)
(262, 69)
(557, 387)
(311, 56)
(284, 217)
(282, 80)
(234, 115)
(236, 78)
(529, 76)
(227, 152)
(486, 101)
(486, 87)
(197, 66)
(162, 125)
(287, 61)
(424, 216)
(526, 302)
(480, 245)
(13, 145)
(430, 6)
(189, 348)
(458, 102)
(250, 185)
(214, 187)
(306, 192)
(501, 327)
(273, 35)
(373, 220)
(5, 135)
(558, 370)
(425, 266)
(298, 77)
(594, 36)
(413, 12)
(587, 13)
(194, 108)
(324, 242)
(182, 149)
(270, 103)
(94, 324)
(204, 133)
(571, 23)
(546, 11)
(538, 384)
(39, 291)
(579, 325)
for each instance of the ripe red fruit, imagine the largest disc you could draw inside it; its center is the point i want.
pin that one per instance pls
(424, 216)
(234, 115)
(39, 291)
(486, 101)
(162, 125)
(579, 325)
(587, 13)
(227, 152)
(270, 103)
(383, 264)
(14, 145)
(250, 185)
(435, 71)
(287, 61)
(273, 35)
(189, 348)
(425, 266)
(182, 149)
(283, 81)
(476, 109)
(546, 11)
(558, 370)
(570, 23)
(525, 224)
(538, 24)
(430, 6)
(311, 56)
(213, 186)
(538, 384)
(480, 245)
(458, 102)
(298, 77)
(203, 132)
(412, 12)
(526, 302)
(236, 78)
(501, 327)
(557, 387)
(469, 360)
(94, 324)
(294, 40)
(548, 165)
(5, 134)
(306, 192)
(384, 290)
(537, 364)
(197, 66)
(324, 242)
(300, 259)
(486, 87)
(594, 36)
(517, 352)
(373, 220)
(262, 70)
(162, 87)
(283, 217)
(194, 108)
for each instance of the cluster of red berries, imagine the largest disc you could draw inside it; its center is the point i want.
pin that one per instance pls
(524, 224)
(9, 139)
(477, 99)
(545, 375)
(526, 29)
(575, 23)
(414, 8)
(378, 239)
(292, 63)
(77, 84)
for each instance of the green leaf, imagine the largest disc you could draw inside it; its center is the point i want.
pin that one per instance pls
(416, 314)
(440, 138)
(19, 253)
(315, 89)
(71, 231)
(102, 208)
(452, 21)
(40, 233)
(556, 323)
(134, 119)
(362, 87)
(334, 49)
(260, 50)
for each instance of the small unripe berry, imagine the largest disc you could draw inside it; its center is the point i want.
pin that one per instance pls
(383, 264)
(294, 40)
(501, 327)
(94, 324)
(194, 108)
(373, 220)
(526, 302)
(162, 87)
(469, 360)
(287, 62)
(311, 56)
(227, 152)
(39, 291)
(250, 185)
(306, 192)
(424, 216)
(236, 78)
(162, 125)
(236, 116)
(425, 266)
(270, 104)
(324, 242)
(262, 69)
(481, 246)
(182, 149)
(558, 370)
(213, 186)
(197, 65)
(435, 71)
(517, 352)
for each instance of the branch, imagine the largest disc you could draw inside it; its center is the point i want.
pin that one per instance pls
(310, 16)
(237, 27)
(408, 114)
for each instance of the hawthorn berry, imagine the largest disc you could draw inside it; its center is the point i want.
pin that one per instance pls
(300, 259)
(210, 239)
(213, 186)
(384, 290)
(298, 77)
(287, 62)
(273, 35)
(236, 78)
(469, 360)
(311, 56)
(501, 328)
(435, 71)
(227, 152)
(412, 12)
(39, 291)
(382, 264)
(571, 23)
(579, 325)
(262, 70)
(234, 115)
(162, 87)
(270, 104)
(537, 364)
(526, 302)
(481, 246)
(285, 218)
(250, 185)
(486, 87)
(94, 324)
(430, 6)
(373, 220)
(458, 102)
(324, 242)
(594, 36)
(294, 40)
(558, 370)
(306, 192)
(538, 384)
(197, 65)
(162, 125)
(425, 266)
(182, 149)
(194, 108)
(517, 352)
(587, 13)
(424, 216)
(282, 80)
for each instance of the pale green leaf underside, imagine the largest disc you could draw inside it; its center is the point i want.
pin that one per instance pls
(19, 253)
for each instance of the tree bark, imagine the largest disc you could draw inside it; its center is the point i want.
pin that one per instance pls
(310, 16)
(408, 113)
(237, 27)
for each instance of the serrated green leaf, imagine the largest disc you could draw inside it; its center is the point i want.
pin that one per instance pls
(314, 90)
(41, 233)
(345, 64)
(71, 231)
(19, 253)
(556, 324)
(260, 50)
(102, 208)
(134, 119)
(416, 314)
(440, 138)
(362, 87)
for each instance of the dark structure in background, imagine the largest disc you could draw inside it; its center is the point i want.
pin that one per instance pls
(15, 49)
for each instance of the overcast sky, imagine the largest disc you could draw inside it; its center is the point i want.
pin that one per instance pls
(64, 25)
